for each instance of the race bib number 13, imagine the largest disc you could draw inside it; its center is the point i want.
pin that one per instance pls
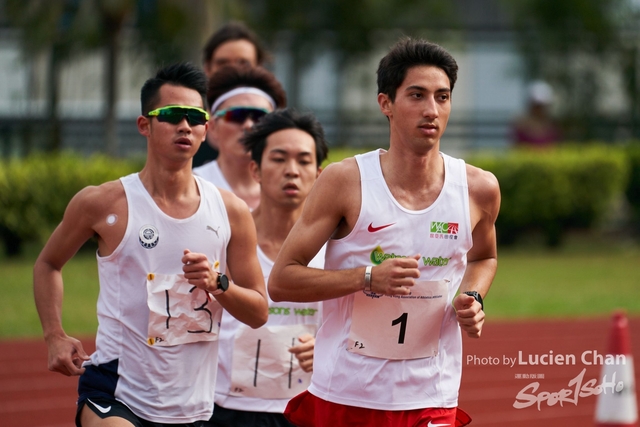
(180, 313)
(399, 327)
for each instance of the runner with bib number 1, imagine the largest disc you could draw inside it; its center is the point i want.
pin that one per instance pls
(409, 232)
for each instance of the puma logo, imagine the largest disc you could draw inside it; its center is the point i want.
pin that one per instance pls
(215, 230)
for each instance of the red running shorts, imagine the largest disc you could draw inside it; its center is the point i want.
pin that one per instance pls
(307, 410)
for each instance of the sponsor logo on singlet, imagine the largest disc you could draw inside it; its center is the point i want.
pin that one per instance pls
(443, 230)
(436, 261)
(378, 255)
(286, 311)
(149, 236)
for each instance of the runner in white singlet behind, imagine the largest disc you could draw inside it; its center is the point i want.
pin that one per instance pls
(411, 252)
(261, 370)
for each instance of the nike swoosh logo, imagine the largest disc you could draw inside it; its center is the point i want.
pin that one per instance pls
(437, 425)
(373, 229)
(100, 408)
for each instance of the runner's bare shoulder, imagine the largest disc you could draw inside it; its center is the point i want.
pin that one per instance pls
(484, 190)
(96, 202)
(336, 197)
(233, 204)
(342, 176)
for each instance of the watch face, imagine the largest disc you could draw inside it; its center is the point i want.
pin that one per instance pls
(223, 282)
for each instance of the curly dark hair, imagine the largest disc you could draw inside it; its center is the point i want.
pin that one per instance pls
(231, 77)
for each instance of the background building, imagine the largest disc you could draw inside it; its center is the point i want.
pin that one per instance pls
(325, 66)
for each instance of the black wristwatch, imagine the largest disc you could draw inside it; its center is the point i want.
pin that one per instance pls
(223, 284)
(477, 297)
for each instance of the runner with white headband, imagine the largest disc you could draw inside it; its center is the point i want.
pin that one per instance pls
(239, 97)
(240, 91)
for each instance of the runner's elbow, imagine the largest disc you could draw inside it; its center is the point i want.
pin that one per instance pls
(275, 292)
(258, 322)
(274, 286)
(259, 317)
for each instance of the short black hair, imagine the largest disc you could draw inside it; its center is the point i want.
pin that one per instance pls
(231, 77)
(230, 32)
(408, 53)
(256, 139)
(180, 74)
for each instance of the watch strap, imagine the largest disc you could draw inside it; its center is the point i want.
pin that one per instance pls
(477, 297)
(220, 289)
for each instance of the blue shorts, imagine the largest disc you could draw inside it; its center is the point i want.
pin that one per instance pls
(105, 408)
(96, 391)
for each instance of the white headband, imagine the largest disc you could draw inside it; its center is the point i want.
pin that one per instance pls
(239, 91)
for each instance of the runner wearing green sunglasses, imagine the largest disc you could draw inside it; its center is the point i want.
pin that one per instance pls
(174, 114)
(165, 242)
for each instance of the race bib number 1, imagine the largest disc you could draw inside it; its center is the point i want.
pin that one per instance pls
(399, 327)
(180, 313)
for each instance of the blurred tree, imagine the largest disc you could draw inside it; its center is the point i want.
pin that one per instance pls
(48, 26)
(578, 45)
(348, 28)
(109, 18)
(163, 30)
(173, 30)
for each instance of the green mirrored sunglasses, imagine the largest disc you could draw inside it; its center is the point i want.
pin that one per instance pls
(174, 114)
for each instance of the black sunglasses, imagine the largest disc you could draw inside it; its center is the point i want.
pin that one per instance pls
(174, 114)
(241, 114)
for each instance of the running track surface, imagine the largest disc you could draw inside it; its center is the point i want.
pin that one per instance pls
(32, 396)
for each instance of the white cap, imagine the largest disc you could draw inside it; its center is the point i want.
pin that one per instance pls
(540, 92)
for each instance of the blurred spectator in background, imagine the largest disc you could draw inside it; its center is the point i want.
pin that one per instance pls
(536, 128)
(232, 44)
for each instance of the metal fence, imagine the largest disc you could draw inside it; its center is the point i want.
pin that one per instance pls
(21, 136)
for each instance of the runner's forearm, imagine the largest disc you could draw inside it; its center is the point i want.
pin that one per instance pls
(299, 283)
(246, 305)
(479, 275)
(48, 295)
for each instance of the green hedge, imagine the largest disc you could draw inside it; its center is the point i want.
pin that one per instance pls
(549, 191)
(556, 190)
(35, 191)
(633, 188)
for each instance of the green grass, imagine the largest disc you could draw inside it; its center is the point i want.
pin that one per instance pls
(588, 276)
(565, 284)
(18, 316)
